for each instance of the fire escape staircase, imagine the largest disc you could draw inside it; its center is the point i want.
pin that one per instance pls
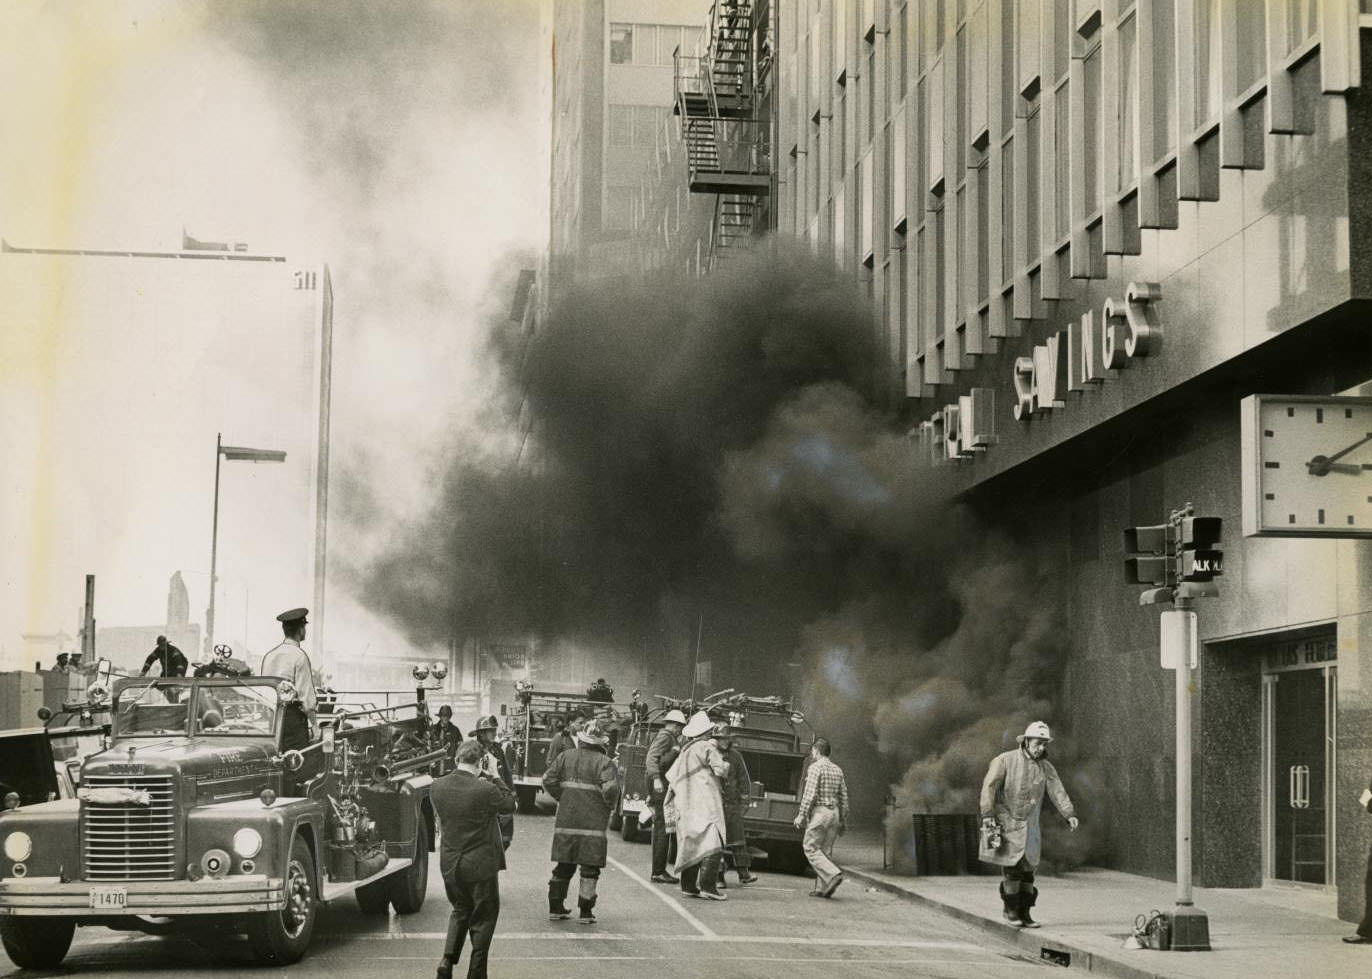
(727, 151)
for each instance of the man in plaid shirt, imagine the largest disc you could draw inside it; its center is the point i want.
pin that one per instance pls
(823, 815)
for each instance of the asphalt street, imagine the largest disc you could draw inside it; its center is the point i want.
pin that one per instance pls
(771, 928)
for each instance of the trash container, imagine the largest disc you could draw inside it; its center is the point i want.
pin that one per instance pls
(945, 844)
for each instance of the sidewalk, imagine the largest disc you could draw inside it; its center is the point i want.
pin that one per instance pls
(1087, 915)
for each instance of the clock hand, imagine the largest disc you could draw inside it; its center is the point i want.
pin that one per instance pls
(1323, 465)
(1340, 455)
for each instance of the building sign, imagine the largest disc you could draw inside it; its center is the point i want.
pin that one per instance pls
(1303, 655)
(1071, 360)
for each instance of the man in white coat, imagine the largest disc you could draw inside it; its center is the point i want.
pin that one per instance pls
(695, 793)
(1012, 801)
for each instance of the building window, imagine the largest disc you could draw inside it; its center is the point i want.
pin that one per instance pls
(1302, 20)
(1164, 79)
(839, 149)
(982, 175)
(1033, 148)
(621, 44)
(1062, 37)
(1250, 22)
(903, 59)
(940, 269)
(1208, 48)
(1091, 124)
(1008, 88)
(870, 83)
(1007, 209)
(963, 102)
(1062, 155)
(1127, 113)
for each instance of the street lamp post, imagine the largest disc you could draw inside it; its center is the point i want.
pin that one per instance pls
(234, 453)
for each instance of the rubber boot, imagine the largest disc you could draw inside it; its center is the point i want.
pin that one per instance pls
(586, 900)
(1028, 895)
(1010, 897)
(557, 895)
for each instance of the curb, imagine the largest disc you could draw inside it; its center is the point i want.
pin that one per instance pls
(1039, 944)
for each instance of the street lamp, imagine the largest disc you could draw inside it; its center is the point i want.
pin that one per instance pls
(234, 453)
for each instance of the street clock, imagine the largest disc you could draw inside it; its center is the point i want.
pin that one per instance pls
(1307, 466)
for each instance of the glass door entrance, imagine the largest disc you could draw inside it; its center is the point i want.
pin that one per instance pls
(1299, 700)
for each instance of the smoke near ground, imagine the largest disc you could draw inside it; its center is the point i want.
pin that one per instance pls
(710, 453)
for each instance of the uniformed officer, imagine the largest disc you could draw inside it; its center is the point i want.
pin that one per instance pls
(485, 732)
(289, 661)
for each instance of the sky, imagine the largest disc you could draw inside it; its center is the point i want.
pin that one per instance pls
(401, 143)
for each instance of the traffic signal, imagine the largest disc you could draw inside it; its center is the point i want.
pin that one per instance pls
(1148, 558)
(1198, 556)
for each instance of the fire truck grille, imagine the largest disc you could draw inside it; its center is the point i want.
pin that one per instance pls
(130, 842)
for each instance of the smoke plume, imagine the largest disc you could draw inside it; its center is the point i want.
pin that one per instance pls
(711, 455)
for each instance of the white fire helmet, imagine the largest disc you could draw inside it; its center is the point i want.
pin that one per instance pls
(674, 717)
(1038, 729)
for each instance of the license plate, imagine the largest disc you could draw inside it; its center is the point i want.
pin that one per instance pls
(109, 898)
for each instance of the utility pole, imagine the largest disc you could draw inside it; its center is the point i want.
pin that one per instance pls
(1181, 558)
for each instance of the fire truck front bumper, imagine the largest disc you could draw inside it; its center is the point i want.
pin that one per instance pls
(54, 897)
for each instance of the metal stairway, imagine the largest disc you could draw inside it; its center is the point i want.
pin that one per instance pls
(728, 152)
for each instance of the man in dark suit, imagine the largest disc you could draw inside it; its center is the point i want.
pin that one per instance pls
(470, 854)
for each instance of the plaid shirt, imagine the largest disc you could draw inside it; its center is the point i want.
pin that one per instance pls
(824, 786)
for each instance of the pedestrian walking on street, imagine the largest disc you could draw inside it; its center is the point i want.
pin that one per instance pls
(1011, 804)
(1363, 936)
(585, 784)
(486, 736)
(471, 855)
(661, 753)
(694, 790)
(824, 816)
(736, 788)
(171, 659)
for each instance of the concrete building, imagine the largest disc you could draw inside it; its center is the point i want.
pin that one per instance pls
(1091, 231)
(611, 94)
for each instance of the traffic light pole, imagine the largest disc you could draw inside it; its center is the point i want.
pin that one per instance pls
(1184, 897)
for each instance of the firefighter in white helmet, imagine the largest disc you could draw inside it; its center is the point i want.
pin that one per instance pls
(1011, 803)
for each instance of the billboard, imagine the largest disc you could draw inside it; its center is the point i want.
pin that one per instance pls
(118, 373)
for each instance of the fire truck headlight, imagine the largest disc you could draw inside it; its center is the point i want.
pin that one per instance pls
(18, 846)
(247, 842)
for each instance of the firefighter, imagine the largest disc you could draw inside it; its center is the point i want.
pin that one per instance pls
(585, 784)
(171, 659)
(1012, 799)
(661, 753)
(446, 734)
(736, 789)
(485, 732)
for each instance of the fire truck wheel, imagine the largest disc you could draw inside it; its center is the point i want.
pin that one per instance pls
(411, 884)
(36, 943)
(628, 829)
(281, 937)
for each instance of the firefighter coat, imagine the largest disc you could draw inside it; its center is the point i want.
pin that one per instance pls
(584, 783)
(735, 788)
(1013, 793)
(694, 789)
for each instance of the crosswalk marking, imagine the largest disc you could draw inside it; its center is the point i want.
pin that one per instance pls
(694, 922)
(713, 938)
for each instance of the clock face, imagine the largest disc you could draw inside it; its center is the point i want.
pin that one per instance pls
(1308, 466)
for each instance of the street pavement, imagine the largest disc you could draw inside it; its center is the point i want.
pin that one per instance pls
(767, 929)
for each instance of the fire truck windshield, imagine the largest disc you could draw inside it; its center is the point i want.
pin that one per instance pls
(156, 707)
(239, 708)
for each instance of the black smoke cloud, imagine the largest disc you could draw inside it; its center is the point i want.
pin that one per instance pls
(712, 451)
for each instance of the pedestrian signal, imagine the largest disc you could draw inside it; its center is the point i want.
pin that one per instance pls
(1198, 556)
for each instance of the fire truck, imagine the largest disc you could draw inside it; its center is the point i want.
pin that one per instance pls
(527, 734)
(194, 815)
(774, 740)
